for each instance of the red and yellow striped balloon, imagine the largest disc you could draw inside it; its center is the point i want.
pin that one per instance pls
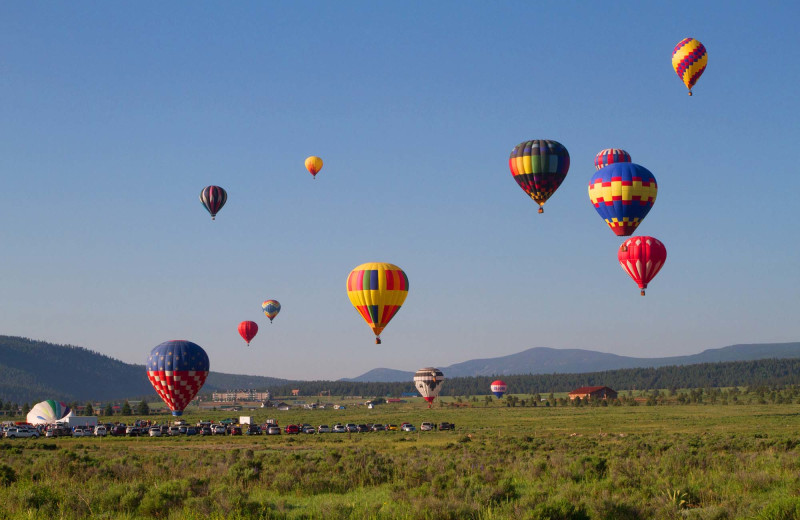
(377, 290)
(689, 60)
(313, 165)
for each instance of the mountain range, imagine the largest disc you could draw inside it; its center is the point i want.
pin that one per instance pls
(543, 360)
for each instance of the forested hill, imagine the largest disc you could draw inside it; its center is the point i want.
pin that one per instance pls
(31, 371)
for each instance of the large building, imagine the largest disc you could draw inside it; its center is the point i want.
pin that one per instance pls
(593, 392)
(232, 396)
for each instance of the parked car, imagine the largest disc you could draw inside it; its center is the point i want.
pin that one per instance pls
(174, 430)
(235, 430)
(117, 431)
(408, 427)
(21, 432)
(253, 429)
(339, 428)
(447, 426)
(426, 427)
(391, 427)
(155, 431)
(218, 429)
(133, 431)
(323, 428)
(351, 428)
(307, 428)
(205, 431)
(50, 432)
(191, 430)
(182, 429)
(292, 429)
(78, 431)
(378, 428)
(273, 430)
(362, 428)
(100, 431)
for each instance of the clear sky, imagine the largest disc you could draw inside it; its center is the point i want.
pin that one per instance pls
(114, 116)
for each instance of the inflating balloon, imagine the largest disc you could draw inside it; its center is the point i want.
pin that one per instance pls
(429, 383)
(377, 290)
(213, 198)
(313, 165)
(271, 309)
(689, 59)
(177, 370)
(248, 330)
(642, 258)
(539, 167)
(48, 412)
(623, 194)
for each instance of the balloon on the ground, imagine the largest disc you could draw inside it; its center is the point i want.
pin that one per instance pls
(314, 165)
(689, 59)
(429, 382)
(610, 156)
(623, 194)
(377, 290)
(539, 167)
(248, 330)
(48, 412)
(271, 309)
(177, 370)
(642, 258)
(498, 388)
(213, 198)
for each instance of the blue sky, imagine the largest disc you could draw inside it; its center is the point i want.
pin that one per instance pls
(116, 115)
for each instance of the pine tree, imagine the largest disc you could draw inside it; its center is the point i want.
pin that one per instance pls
(126, 408)
(89, 409)
(108, 410)
(142, 408)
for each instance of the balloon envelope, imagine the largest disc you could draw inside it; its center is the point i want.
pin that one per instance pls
(177, 370)
(313, 165)
(48, 412)
(248, 330)
(689, 59)
(539, 167)
(498, 388)
(377, 290)
(429, 382)
(642, 258)
(213, 198)
(610, 156)
(623, 194)
(271, 309)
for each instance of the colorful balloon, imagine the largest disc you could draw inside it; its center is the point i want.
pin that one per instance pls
(48, 412)
(610, 156)
(313, 165)
(689, 59)
(248, 331)
(498, 388)
(642, 258)
(539, 167)
(377, 291)
(177, 370)
(213, 198)
(622, 194)
(429, 383)
(271, 309)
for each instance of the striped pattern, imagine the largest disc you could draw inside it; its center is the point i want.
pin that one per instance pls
(377, 291)
(689, 59)
(177, 371)
(623, 194)
(539, 167)
(498, 388)
(213, 198)
(271, 308)
(429, 382)
(642, 258)
(248, 330)
(610, 156)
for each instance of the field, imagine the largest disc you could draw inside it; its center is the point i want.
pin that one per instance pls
(616, 462)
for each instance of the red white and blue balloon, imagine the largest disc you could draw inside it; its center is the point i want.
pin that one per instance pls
(177, 370)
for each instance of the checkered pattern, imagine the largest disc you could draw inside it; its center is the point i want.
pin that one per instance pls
(642, 258)
(177, 371)
(689, 59)
(623, 194)
(610, 156)
(539, 167)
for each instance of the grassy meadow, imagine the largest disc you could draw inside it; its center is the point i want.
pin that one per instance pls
(617, 462)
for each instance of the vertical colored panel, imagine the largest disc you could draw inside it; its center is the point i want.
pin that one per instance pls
(373, 279)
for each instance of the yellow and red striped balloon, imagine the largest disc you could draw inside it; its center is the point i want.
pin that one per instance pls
(377, 290)
(313, 165)
(689, 59)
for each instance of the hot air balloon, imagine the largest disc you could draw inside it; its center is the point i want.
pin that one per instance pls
(498, 388)
(177, 370)
(213, 198)
(689, 59)
(377, 290)
(610, 156)
(539, 167)
(313, 165)
(642, 259)
(48, 412)
(622, 194)
(429, 383)
(271, 309)
(248, 330)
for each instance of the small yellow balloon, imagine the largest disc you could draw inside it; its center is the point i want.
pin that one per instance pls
(313, 165)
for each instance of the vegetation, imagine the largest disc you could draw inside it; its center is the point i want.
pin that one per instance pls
(696, 461)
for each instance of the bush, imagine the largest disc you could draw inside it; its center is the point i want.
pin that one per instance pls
(7, 475)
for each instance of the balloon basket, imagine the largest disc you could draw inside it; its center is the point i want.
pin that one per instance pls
(690, 92)
(541, 210)
(642, 292)
(377, 341)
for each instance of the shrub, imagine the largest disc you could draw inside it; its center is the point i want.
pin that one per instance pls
(7, 475)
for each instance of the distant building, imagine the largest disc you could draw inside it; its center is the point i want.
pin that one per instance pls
(594, 392)
(240, 395)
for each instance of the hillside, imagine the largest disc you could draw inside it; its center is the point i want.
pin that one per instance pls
(543, 360)
(31, 371)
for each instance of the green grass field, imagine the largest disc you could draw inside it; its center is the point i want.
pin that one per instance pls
(616, 462)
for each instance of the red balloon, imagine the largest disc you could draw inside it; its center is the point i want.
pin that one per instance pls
(248, 330)
(642, 258)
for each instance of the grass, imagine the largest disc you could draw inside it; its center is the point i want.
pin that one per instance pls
(616, 462)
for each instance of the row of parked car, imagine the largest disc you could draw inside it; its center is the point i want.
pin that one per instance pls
(357, 428)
